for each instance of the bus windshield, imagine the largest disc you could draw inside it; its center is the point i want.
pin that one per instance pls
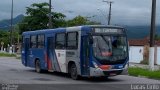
(109, 47)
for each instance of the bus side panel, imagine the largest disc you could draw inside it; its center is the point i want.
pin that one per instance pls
(55, 57)
(37, 54)
(51, 57)
(61, 58)
(53, 63)
(73, 55)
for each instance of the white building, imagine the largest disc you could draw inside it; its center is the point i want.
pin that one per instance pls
(138, 51)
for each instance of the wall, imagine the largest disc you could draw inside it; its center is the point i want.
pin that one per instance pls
(158, 55)
(136, 54)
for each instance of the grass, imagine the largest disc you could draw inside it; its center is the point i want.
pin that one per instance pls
(7, 55)
(18, 57)
(135, 71)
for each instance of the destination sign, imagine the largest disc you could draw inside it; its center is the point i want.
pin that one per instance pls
(108, 30)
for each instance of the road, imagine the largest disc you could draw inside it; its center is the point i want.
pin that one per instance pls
(12, 72)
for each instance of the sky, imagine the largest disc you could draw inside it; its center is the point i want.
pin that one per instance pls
(124, 12)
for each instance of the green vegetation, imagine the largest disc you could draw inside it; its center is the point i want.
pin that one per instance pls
(5, 37)
(37, 18)
(18, 57)
(134, 71)
(79, 20)
(7, 55)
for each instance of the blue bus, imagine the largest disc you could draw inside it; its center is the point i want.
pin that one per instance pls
(81, 51)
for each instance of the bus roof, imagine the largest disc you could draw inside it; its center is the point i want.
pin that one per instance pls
(63, 29)
(109, 26)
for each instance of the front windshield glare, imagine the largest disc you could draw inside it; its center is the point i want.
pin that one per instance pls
(109, 47)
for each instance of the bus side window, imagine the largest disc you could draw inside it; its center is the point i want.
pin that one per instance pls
(33, 43)
(72, 40)
(40, 42)
(60, 41)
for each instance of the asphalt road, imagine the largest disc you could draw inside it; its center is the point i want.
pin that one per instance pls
(13, 75)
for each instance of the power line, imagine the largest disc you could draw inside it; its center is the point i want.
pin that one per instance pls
(105, 17)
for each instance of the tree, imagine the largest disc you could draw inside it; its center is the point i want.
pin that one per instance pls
(37, 18)
(80, 20)
(4, 37)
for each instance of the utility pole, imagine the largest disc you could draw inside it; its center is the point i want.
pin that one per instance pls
(11, 31)
(50, 15)
(110, 10)
(152, 35)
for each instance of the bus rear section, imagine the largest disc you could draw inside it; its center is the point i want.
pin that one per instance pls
(34, 50)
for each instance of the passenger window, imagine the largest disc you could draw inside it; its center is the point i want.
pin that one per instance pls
(72, 40)
(33, 43)
(60, 41)
(40, 41)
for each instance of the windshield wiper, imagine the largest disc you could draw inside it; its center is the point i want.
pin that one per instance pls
(99, 47)
(106, 42)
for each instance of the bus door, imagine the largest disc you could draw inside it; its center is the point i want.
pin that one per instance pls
(51, 59)
(85, 56)
(49, 53)
(26, 46)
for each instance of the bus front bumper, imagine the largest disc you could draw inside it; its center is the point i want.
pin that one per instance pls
(96, 72)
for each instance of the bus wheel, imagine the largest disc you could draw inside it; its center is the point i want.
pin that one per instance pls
(38, 67)
(73, 72)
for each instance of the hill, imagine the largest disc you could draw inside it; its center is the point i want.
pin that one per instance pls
(133, 32)
(5, 24)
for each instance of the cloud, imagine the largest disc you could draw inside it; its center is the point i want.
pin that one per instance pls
(126, 12)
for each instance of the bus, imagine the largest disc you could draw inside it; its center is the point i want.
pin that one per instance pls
(80, 51)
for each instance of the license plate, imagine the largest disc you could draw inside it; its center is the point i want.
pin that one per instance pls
(112, 74)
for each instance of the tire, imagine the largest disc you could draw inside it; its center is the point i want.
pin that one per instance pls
(38, 67)
(73, 72)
